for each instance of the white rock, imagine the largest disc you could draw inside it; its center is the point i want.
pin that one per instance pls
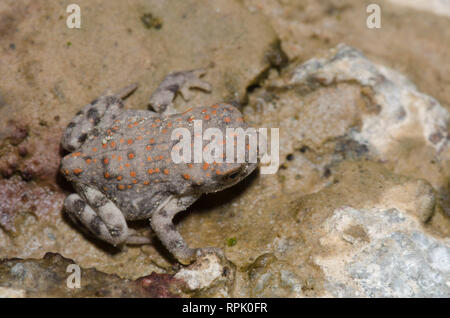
(397, 258)
(403, 110)
(206, 271)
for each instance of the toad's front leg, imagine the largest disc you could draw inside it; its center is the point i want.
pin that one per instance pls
(161, 223)
(161, 100)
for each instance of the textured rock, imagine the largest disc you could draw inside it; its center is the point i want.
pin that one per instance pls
(307, 28)
(440, 7)
(209, 276)
(344, 142)
(48, 277)
(345, 106)
(383, 253)
(270, 278)
(400, 108)
(359, 207)
(12, 293)
(279, 253)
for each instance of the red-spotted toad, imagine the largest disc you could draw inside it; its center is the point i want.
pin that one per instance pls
(121, 168)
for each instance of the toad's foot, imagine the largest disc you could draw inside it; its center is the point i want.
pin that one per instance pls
(101, 217)
(209, 250)
(134, 238)
(182, 82)
(193, 81)
(161, 223)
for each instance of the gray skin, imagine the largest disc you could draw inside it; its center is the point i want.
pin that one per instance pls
(121, 165)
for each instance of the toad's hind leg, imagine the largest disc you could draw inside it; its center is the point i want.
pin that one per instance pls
(101, 217)
(101, 111)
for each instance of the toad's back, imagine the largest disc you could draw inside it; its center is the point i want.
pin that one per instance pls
(130, 159)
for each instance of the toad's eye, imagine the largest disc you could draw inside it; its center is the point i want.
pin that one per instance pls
(232, 175)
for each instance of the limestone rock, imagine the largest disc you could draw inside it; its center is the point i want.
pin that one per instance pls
(383, 253)
(211, 275)
(53, 276)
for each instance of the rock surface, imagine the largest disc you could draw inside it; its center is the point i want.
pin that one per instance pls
(307, 28)
(360, 205)
(342, 144)
(383, 253)
(440, 7)
(211, 275)
(52, 276)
